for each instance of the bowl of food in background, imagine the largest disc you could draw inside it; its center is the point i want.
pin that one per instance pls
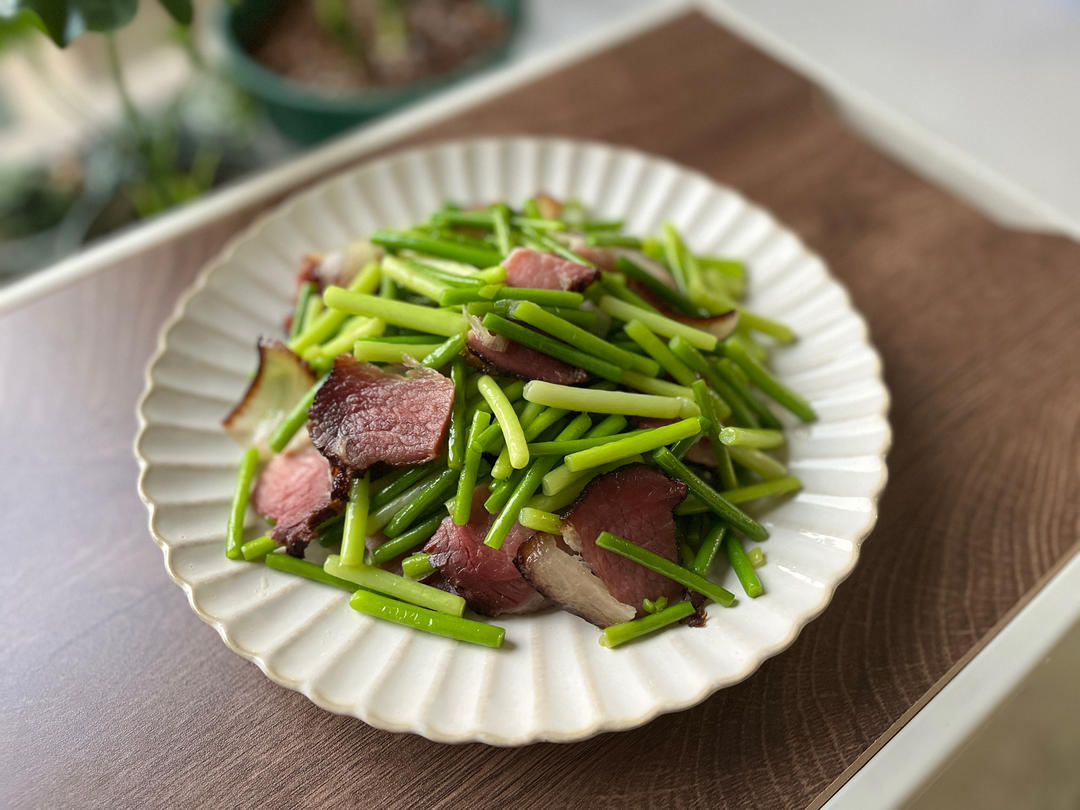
(321, 67)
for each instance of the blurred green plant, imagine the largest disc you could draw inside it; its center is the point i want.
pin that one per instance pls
(333, 17)
(66, 20)
(33, 201)
(18, 29)
(149, 164)
(389, 36)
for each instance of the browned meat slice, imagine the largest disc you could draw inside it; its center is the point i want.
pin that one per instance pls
(651, 422)
(339, 267)
(495, 353)
(309, 269)
(602, 257)
(564, 578)
(722, 325)
(546, 271)
(335, 269)
(550, 208)
(635, 503)
(295, 491)
(362, 415)
(605, 258)
(701, 453)
(280, 382)
(486, 577)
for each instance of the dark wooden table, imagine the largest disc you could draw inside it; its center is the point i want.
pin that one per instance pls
(115, 694)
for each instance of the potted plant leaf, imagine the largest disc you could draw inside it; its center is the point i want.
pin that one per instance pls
(146, 164)
(321, 66)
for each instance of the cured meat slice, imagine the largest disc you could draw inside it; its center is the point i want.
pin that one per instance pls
(295, 491)
(363, 415)
(486, 577)
(500, 354)
(635, 503)
(280, 382)
(565, 578)
(546, 271)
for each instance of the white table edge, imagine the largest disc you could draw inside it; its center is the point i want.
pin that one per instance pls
(898, 770)
(915, 754)
(924, 152)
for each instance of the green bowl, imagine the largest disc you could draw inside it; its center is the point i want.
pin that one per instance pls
(301, 112)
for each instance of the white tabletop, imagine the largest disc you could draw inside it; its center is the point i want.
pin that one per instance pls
(996, 83)
(999, 80)
(982, 95)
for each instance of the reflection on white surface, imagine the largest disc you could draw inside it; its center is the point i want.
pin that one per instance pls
(998, 79)
(1025, 753)
(1018, 699)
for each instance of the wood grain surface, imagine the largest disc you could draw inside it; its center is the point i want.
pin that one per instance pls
(114, 694)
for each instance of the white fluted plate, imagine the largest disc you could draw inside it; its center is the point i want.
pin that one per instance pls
(552, 680)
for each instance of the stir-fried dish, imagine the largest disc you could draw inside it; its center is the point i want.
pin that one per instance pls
(512, 411)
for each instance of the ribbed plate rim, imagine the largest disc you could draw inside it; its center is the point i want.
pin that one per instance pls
(367, 713)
